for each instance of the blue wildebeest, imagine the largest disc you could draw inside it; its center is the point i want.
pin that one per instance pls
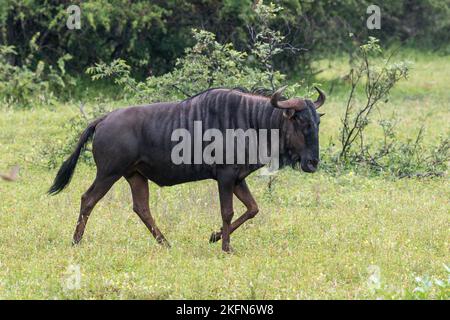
(136, 143)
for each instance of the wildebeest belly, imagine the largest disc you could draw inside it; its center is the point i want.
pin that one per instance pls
(168, 174)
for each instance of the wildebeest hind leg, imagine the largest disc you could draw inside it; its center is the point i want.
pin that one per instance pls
(140, 192)
(96, 191)
(226, 210)
(243, 193)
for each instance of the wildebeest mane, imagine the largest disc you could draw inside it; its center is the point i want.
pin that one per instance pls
(256, 91)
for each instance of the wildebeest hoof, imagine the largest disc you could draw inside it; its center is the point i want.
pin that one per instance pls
(166, 244)
(228, 250)
(215, 236)
(162, 241)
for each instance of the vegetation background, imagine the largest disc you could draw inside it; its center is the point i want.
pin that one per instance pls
(372, 223)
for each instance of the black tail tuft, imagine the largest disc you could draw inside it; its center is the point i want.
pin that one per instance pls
(65, 173)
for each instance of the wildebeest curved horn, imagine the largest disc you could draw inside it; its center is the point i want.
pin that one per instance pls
(274, 100)
(295, 104)
(321, 99)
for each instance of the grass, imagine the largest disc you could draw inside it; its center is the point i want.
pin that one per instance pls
(316, 236)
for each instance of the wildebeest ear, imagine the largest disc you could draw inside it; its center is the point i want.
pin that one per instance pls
(289, 113)
(321, 114)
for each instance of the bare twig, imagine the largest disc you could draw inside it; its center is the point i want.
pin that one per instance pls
(83, 113)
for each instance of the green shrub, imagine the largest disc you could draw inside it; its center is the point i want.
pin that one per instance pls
(24, 87)
(427, 288)
(207, 64)
(372, 76)
(152, 35)
(431, 288)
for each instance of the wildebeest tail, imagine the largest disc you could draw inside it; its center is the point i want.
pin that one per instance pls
(65, 173)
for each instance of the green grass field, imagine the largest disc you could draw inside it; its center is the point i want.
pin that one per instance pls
(349, 236)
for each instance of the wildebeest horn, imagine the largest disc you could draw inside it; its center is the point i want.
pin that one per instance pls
(321, 99)
(276, 96)
(295, 104)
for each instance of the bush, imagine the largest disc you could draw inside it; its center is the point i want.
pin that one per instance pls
(427, 288)
(374, 75)
(24, 87)
(208, 64)
(153, 34)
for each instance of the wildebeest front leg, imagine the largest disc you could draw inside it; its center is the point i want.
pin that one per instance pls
(140, 192)
(226, 209)
(244, 195)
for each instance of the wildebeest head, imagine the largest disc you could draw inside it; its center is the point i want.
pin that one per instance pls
(301, 128)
